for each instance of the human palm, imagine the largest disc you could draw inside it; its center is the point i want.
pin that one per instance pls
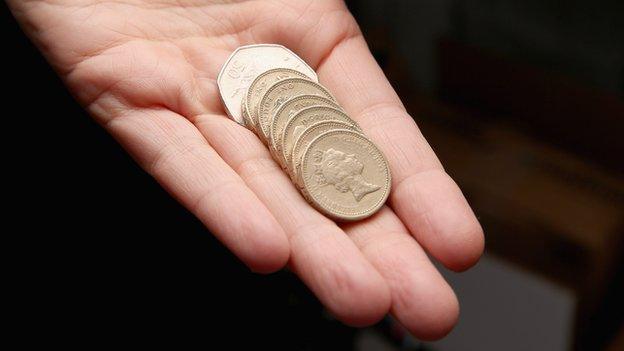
(146, 71)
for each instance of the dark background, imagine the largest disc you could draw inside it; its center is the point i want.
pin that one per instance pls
(522, 101)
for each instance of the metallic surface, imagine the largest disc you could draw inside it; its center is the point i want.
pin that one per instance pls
(345, 176)
(245, 64)
(260, 85)
(281, 92)
(303, 142)
(286, 111)
(305, 118)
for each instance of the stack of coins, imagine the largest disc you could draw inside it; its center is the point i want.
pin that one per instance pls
(274, 93)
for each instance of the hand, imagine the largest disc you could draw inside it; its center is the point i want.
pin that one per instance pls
(146, 71)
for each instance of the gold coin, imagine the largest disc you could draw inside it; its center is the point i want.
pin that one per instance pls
(260, 85)
(247, 62)
(287, 110)
(305, 118)
(246, 119)
(306, 138)
(281, 92)
(344, 175)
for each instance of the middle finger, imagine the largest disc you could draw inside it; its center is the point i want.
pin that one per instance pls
(321, 254)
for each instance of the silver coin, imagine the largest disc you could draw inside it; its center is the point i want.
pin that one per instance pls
(245, 64)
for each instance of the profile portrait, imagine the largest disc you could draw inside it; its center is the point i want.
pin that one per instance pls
(343, 171)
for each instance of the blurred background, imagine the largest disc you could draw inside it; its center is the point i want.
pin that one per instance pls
(523, 103)
(522, 100)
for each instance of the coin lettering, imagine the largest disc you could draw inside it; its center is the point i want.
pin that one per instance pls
(341, 177)
(281, 92)
(337, 169)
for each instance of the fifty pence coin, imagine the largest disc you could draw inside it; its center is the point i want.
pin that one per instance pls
(245, 64)
(344, 175)
(260, 85)
(305, 118)
(281, 92)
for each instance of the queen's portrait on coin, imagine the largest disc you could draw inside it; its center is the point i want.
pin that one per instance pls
(343, 171)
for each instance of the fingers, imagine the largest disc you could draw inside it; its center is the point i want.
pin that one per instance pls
(421, 300)
(321, 254)
(171, 149)
(423, 195)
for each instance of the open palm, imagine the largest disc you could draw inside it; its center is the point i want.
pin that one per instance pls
(146, 70)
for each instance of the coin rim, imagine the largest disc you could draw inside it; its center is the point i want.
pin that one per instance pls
(298, 145)
(247, 122)
(273, 137)
(246, 102)
(290, 120)
(322, 89)
(360, 215)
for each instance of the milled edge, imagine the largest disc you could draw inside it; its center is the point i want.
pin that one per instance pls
(285, 81)
(274, 141)
(290, 121)
(298, 144)
(250, 113)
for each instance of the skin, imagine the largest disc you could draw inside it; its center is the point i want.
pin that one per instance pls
(146, 70)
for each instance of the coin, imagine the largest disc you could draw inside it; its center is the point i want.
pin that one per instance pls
(275, 93)
(306, 138)
(245, 64)
(287, 110)
(281, 92)
(344, 175)
(260, 85)
(246, 119)
(305, 118)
